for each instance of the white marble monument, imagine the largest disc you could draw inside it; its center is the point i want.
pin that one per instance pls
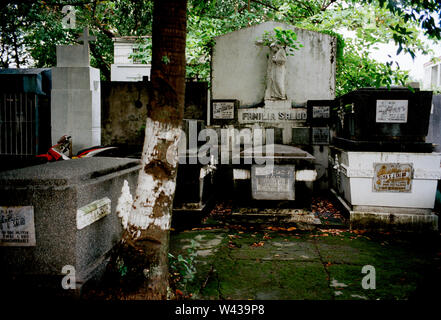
(272, 88)
(244, 70)
(76, 100)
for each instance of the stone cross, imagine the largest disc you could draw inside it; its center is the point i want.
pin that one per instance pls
(85, 37)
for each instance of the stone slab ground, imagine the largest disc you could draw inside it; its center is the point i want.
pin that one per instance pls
(274, 263)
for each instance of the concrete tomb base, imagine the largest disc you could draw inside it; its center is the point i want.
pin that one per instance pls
(62, 214)
(387, 190)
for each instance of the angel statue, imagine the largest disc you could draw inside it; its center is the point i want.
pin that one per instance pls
(276, 73)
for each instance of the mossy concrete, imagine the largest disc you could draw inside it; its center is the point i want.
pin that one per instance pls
(240, 263)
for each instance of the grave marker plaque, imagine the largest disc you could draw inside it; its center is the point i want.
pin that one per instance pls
(321, 112)
(93, 212)
(17, 226)
(300, 136)
(223, 111)
(273, 182)
(255, 115)
(392, 111)
(392, 177)
(320, 135)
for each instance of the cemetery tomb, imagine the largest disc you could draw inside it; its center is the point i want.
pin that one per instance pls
(261, 88)
(382, 119)
(380, 164)
(62, 214)
(76, 103)
(194, 181)
(285, 173)
(125, 68)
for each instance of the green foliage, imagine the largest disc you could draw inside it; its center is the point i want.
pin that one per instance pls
(165, 59)
(30, 31)
(12, 35)
(285, 37)
(182, 269)
(121, 267)
(357, 70)
(38, 26)
(143, 51)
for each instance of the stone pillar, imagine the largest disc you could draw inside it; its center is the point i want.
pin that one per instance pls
(76, 100)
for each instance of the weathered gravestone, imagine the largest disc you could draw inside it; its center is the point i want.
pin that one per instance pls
(259, 88)
(194, 181)
(281, 173)
(61, 214)
(381, 165)
(75, 104)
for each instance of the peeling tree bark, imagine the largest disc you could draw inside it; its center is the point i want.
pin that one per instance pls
(144, 247)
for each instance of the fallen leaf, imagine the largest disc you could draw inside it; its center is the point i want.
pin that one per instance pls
(258, 244)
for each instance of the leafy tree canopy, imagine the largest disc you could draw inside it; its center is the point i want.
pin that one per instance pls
(31, 31)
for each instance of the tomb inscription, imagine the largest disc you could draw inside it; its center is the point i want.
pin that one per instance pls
(223, 109)
(17, 226)
(252, 115)
(392, 111)
(93, 212)
(392, 177)
(321, 112)
(273, 182)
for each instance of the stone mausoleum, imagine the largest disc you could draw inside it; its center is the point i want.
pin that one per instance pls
(257, 90)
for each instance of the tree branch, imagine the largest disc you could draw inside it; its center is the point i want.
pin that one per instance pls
(306, 7)
(265, 4)
(325, 6)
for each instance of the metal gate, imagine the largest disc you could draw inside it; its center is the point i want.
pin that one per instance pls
(18, 124)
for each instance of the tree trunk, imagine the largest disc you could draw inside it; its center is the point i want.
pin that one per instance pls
(143, 254)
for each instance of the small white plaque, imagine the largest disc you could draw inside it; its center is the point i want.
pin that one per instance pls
(93, 212)
(17, 226)
(321, 112)
(392, 111)
(223, 110)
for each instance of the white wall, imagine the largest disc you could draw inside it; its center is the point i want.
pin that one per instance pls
(129, 72)
(432, 76)
(123, 68)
